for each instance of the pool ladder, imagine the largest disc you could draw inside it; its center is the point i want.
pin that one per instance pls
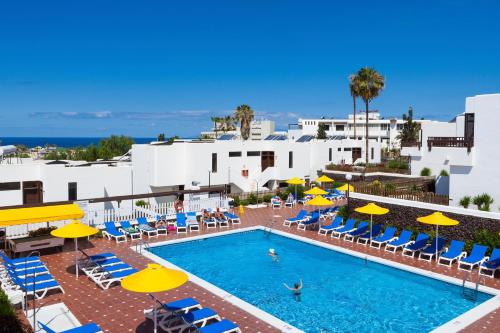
(469, 293)
(141, 245)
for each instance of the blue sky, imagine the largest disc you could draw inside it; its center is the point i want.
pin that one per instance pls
(94, 68)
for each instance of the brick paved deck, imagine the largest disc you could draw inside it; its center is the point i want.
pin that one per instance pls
(117, 310)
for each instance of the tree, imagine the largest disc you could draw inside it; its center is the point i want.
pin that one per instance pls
(228, 124)
(321, 131)
(161, 137)
(354, 90)
(371, 83)
(244, 114)
(216, 121)
(114, 146)
(411, 129)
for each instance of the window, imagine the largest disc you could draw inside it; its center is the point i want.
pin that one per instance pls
(290, 159)
(72, 190)
(339, 149)
(347, 149)
(330, 154)
(384, 127)
(235, 154)
(372, 153)
(339, 128)
(214, 162)
(399, 127)
(10, 186)
(253, 153)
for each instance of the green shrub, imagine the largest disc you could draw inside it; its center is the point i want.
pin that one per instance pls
(252, 199)
(425, 172)
(342, 212)
(465, 201)
(291, 189)
(484, 237)
(236, 201)
(10, 323)
(397, 164)
(140, 203)
(483, 202)
(444, 173)
(267, 197)
(390, 186)
(41, 232)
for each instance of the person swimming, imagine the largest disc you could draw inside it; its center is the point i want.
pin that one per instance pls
(273, 254)
(296, 290)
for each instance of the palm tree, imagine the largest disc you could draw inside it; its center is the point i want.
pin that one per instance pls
(244, 114)
(371, 83)
(354, 90)
(216, 121)
(228, 124)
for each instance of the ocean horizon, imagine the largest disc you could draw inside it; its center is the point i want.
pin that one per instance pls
(63, 142)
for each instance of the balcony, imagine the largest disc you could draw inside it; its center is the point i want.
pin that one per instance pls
(459, 142)
(413, 143)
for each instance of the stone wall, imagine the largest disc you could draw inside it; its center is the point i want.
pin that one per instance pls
(402, 217)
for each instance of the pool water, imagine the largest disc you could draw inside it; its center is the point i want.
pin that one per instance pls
(340, 293)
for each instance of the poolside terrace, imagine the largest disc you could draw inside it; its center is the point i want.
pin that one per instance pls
(118, 310)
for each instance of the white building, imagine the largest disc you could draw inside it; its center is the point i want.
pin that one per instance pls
(467, 148)
(244, 165)
(259, 130)
(381, 130)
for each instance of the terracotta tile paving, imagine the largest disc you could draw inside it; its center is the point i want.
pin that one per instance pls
(117, 310)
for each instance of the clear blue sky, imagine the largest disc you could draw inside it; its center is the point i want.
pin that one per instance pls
(94, 68)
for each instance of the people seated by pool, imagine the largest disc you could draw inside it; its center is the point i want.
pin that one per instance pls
(296, 290)
(206, 214)
(273, 254)
(218, 214)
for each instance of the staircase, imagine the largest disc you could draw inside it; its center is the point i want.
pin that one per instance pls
(469, 293)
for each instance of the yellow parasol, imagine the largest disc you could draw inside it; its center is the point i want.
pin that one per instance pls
(319, 201)
(75, 230)
(437, 219)
(295, 181)
(316, 191)
(154, 278)
(372, 209)
(345, 188)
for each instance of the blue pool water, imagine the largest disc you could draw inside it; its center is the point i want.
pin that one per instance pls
(341, 293)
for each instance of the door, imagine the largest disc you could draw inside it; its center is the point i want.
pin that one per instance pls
(267, 159)
(469, 127)
(356, 153)
(32, 193)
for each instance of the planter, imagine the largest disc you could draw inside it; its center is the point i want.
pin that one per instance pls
(30, 244)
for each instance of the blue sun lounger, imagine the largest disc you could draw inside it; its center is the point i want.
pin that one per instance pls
(168, 311)
(145, 228)
(312, 221)
(491, 264)
(37, 290)
(454, 252)
(88, 328)
(325, 229)
(400, 242)
(301, 216)
(19, 261)
(386, 237)
(29, 271)
(128, 230)
(476, 257)
(365, 239)
(197, 318)
(223, 326)
(111, 232)
(162, 229)
(348, 227)
(107, 278)
(419, 244)
(360, 230)
(234, 219)
(429, 252)
(181, 224)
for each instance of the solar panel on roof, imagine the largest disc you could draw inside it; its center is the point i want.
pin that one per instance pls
(225, 137)
(305, 138)
(275, 137)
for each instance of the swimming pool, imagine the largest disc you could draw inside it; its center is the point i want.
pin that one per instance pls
(341, 293)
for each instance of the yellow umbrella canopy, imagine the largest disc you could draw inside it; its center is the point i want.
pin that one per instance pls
(154, 278)
(324, 179)
(316, 191)
(344, 188)
(437, 218)
(319, 201)
(295, 181)
(372, 209)
(75, 230)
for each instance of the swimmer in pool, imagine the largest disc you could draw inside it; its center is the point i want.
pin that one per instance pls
(272, 253)
(296, 290)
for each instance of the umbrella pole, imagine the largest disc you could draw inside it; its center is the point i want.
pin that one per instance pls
(76, 256)
(371, 222)
(154, 315)
(437, 234)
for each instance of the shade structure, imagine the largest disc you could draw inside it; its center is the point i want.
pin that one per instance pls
(372, 209)
(344, 188)
(18, 216)
(316, 191)
(324, 179)
(437, 219)
(154, 278)
(295, 181)
(75, 230)
(319, 201)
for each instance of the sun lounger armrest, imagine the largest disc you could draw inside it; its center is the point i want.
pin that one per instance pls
(462, 255)
(485, 259)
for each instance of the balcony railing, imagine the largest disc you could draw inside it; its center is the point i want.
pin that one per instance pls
(460, 142)
(411, 144)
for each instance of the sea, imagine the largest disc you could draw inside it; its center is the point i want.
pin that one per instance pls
(63, 142)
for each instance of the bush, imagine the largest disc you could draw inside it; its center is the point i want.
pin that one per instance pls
(390, 187)
(444, 173)
(236, 201)
(10, 323)
(397, 164)
(291, 189)
(267, 197)
(425, 172)
(484, 237)
(483, 202)
(465, 201)
(342, 212)
(252, 199)
(41, 232)
(376, 184)
(140, 203)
